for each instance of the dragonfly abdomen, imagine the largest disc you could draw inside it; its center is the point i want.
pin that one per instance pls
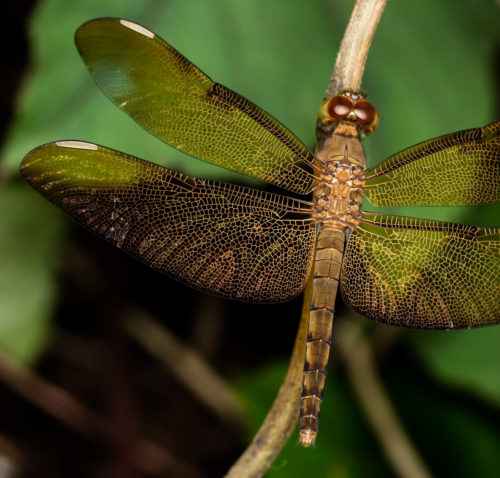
(329, 251)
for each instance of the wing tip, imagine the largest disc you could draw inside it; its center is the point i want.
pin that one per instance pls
(76, 145)
(137, 28)
(33, 156)
(102, 22)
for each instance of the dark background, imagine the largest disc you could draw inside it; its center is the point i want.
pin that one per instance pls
(65, 294)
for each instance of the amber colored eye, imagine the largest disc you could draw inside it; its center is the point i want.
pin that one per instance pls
(340, 106)
(365, 112)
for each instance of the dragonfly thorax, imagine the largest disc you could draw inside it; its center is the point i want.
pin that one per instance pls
(338, 203)
(338, 196)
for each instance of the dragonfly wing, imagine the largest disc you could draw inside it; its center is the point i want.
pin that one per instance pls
(171, 98)
(456, 169)
(422, 274)
(228, 240)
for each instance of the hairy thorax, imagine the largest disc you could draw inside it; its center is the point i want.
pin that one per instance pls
(338, 196)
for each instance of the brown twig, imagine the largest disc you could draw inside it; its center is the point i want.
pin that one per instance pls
(282, 417)
(351, 58)
(11, 458)
(376, 404)
(62, 406)
(85, 353)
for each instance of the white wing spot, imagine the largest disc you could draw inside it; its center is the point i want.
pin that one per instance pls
(77, 145)
(122, 104)
(137, 28)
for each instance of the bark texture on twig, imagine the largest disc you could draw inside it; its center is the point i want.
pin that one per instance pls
(282, 417)
(351, 58)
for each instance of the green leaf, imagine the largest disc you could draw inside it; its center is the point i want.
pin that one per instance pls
(454, 435)
(30, 238)
(468, 359)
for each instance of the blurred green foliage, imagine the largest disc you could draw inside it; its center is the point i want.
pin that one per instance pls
(31, 236)
(430, 71)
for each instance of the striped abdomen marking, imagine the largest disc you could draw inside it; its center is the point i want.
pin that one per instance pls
(329, 251)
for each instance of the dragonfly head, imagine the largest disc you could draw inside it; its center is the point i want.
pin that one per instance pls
(349, 106)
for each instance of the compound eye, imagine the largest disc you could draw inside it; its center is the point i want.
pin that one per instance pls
(339, 106)
(365, 112)
(366, 115)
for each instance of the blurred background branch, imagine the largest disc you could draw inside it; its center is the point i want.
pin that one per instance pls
(360, 361)
(63, 407)
(186, 365)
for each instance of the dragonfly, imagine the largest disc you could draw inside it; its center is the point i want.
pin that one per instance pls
(247, 244)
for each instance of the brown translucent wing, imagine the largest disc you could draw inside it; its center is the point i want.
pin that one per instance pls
(457, 169)
(228, 240)
(171, 98)
(422, 274)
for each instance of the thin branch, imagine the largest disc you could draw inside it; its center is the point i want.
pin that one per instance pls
(351, 58)
(186, 365)
(282, 417)
(376, 404)
(85, 353)
(62, 406)
(11, 458)
(50, 398)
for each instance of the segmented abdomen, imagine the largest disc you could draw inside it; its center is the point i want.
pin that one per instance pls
(329, 251)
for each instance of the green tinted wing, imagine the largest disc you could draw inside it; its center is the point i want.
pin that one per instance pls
(457, 169)
(170, 97)
(422, 274)
(228, 240)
